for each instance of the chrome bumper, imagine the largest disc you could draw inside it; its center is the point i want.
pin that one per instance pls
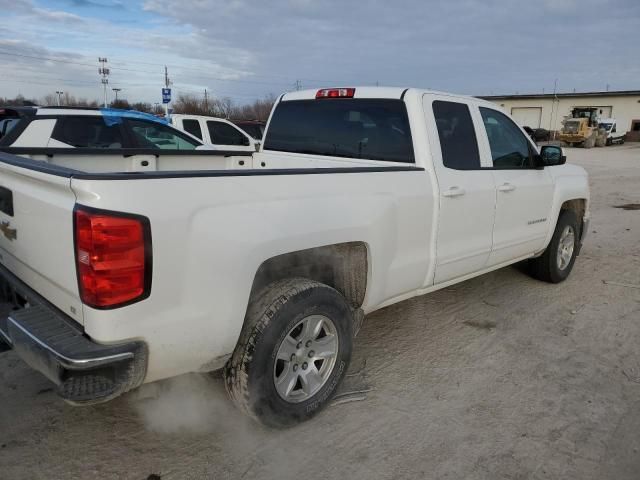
(84, 372)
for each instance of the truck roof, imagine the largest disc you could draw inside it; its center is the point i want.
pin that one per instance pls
(374, 92)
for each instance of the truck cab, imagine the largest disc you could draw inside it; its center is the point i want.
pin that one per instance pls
(216, 132)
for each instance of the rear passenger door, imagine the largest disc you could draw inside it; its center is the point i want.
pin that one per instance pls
(466, 190)
(524, 194)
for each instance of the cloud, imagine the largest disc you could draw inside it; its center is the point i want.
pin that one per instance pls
(99, 4)
(28, 8)
(247, 48)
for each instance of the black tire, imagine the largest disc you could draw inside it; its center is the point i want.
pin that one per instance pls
(272, 314)
(546, 267)
(609, 142)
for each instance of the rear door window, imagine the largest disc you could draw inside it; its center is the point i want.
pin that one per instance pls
(458, 141)
(157, 136)
(373, 129)
(193, 127)
(88, 132)
(224, 134)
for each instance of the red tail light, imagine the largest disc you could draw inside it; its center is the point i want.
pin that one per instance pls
(113, 257)
(336, 93)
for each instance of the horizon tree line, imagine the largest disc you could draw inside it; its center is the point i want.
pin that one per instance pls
(223, 107)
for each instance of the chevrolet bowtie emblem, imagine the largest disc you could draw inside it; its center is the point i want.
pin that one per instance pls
(10, 233)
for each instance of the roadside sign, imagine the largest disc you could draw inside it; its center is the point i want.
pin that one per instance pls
(166, 95)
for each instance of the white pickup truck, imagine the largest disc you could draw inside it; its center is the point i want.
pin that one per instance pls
(217, 132)
(359, 198)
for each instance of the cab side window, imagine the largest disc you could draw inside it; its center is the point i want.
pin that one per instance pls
(224, 134)
(509, 147)
(457, 135)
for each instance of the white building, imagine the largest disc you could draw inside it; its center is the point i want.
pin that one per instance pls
(549, 110)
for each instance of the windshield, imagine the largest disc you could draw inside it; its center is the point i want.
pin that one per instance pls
(375, 129)
(606, 126)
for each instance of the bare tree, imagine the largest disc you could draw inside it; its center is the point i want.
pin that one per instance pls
(224, 106)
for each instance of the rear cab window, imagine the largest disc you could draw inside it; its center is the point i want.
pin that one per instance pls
(372, 129)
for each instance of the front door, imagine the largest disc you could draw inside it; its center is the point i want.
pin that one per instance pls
(524, 194)
(467, 193)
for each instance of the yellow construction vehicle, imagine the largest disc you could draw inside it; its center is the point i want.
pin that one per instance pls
(581, 129)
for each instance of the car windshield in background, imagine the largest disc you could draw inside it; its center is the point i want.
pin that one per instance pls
(155, 135)
(606, 126)
(375, 129)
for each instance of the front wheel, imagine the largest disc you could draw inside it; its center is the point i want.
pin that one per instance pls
(556, 263)
(293, 352)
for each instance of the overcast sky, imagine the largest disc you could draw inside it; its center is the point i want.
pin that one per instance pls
(248, 49)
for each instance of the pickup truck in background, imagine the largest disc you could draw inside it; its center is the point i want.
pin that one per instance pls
(216, 132)
(358, 198)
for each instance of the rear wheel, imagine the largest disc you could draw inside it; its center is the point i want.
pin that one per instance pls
(293, 352)
(556, 263)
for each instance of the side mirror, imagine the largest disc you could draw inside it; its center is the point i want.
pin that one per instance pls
(550, 156)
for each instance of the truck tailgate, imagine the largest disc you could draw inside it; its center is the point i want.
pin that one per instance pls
(36, 234)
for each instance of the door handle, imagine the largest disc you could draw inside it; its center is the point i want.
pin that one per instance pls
(506, 187)
(454, 192)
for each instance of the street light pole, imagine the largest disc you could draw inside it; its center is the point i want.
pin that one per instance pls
(104, 71)
(59, 93)
(116, 90)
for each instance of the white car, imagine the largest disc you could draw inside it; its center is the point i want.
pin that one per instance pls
(358, 199)
(217, 132)
(611, 128)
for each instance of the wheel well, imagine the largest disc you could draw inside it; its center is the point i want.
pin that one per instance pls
(341, 266)
(578, 206)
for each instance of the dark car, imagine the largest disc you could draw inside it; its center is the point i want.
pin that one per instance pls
(537, 134)
(255, 128)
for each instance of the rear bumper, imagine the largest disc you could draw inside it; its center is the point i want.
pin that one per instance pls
(84, 372)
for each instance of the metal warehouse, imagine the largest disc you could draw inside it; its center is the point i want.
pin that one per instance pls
(549, 110)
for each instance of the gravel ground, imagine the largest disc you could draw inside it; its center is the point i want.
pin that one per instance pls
(500, 377)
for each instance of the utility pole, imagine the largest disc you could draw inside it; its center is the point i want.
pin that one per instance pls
(553, 102)
(59, 93)
(156, 107)
(167, 82)
(116, 90)
(298, 85)
(104, 71)
(206, 101)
